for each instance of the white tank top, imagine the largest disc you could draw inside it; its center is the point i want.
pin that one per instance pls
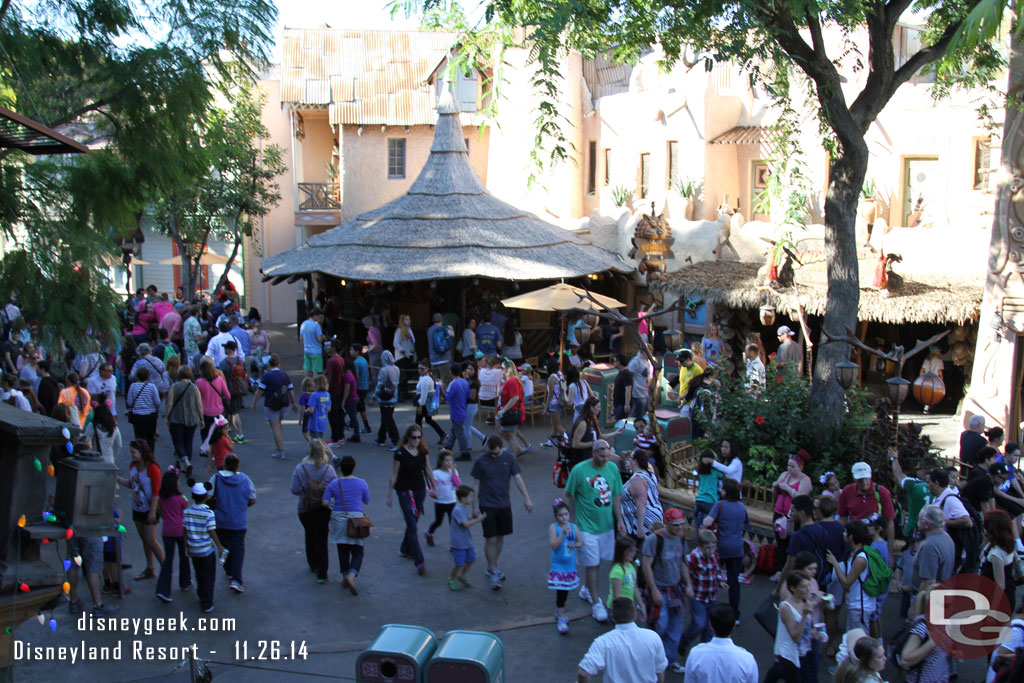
(785, 646)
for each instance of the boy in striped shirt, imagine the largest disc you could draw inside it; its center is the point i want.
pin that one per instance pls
(200, 526)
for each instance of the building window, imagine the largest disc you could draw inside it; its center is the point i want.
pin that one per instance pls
(645, 175)
(591, 167)
(673, 162)
(396, 157)
(982, 162)
(607, 166)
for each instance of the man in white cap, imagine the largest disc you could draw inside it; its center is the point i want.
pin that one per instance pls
(864, 499)
(788, 355)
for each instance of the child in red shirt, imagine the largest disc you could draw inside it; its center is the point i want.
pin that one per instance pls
(220, 445)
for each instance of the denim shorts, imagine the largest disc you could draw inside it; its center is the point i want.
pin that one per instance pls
(463, 556)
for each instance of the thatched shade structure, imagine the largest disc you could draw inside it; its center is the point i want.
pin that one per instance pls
(447, 226)
(934, 299)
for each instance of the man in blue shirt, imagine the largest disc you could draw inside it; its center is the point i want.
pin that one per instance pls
(362, 383)
(457, 392)
(312, 336)
(488, 337)
(440, 350)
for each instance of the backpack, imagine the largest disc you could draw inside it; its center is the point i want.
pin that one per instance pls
(894, 648)
(169, 351)
(239, 382)
(386, 389)
(766, 556)
(641, 578)
(968, 541)
(442, 340)
(314, 491)
(879, 574)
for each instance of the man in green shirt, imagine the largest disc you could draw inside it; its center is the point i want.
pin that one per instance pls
(915, 490)
(594, 492)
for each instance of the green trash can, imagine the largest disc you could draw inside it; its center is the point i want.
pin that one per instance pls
(398, 654)
(601, 378)
(468, 657)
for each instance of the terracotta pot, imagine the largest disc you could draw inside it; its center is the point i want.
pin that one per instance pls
(867, 209)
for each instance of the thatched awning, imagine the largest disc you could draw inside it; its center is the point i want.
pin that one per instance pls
(447, 226)
(921, 299)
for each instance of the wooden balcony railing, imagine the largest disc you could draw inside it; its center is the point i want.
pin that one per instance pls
(319, 196)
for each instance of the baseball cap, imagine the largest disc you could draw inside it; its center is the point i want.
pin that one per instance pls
(437, 318)
(785, 330)
(674, 515)
(998, 468)
(861, 470)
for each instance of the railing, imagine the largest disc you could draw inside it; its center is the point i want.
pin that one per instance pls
(319, 196)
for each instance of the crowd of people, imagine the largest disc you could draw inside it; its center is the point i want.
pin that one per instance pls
(675, 577)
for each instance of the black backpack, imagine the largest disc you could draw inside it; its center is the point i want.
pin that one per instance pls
(967, 541)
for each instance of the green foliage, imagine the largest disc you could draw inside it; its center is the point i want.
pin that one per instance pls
(621, 194)
(782, 420)
(868, 189)
(688, 188)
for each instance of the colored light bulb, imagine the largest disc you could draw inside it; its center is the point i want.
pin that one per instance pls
(22, 521)
(49, 470)
(121, 529)
(65, 433)
(24, 587)
(46, 540)
(69, 533)
(69, 447)
(37, 464)
(78, 560)
(53, 625)
(41, 618)
(67, 565)
(66, 587)
(49, 517)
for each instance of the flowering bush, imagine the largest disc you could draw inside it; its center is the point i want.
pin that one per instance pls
(781, 421)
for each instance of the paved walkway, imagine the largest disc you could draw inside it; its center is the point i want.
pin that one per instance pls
(284, 603)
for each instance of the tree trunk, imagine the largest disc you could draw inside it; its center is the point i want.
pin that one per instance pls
(231, 261)
(187, 275)
(843, 277)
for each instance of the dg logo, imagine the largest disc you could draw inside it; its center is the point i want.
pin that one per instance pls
(968, 616)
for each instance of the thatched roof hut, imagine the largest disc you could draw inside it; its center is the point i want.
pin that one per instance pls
(931, 299)
(447, 226)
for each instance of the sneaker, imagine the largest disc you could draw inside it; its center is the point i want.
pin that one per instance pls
(454, 585)
(497, 573)
(747, 578)
(379, 444)
(164, 597)
(421, 569)
(775, 577)
(208, 609)
(464, 581)
(444, 437)
(186, 589)
(103, 610)
(367, 430)
(405, 556)
(240, 438)
(563, 624)
(278, 455)
(321, 581)
(599, 612)
(483, 441)
(76, 607)
(430, 538)
(463, 457)
(547, 444)
(528, 448)
(677, 667)
(585, 595)
(109, 587)
(495, 582)
(236, 586)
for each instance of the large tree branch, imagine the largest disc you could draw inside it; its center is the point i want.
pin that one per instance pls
(881, 63)
(923, 57)
(4, 6)
(814, 24)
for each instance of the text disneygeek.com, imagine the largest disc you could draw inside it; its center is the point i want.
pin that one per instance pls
(135, 649)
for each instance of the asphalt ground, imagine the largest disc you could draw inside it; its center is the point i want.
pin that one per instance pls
(283, 602)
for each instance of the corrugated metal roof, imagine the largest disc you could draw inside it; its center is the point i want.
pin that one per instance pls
(742, 135)
(365, 77)
(604, 77)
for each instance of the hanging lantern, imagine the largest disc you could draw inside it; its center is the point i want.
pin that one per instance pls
(590, 318)
(672, 337)
(929, 389)
(583, 335)
(846, 373)
(896, 389)
(767, 314)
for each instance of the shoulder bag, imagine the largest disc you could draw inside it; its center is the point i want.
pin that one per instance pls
(356, 527)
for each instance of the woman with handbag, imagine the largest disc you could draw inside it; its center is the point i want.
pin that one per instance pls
(310, 480)
(410, 475)
(213, 390)
(184, 415)
(511, 408)
(404, 343)
(349, 527)
(143, 403)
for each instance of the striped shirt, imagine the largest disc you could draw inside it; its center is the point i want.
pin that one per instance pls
(653, 512)
(199, 521)
(143, 398)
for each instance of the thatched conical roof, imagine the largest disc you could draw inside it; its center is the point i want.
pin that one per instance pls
(446, 226)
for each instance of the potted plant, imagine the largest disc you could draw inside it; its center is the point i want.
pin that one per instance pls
(868, 207)
(621, 195)
(681, 199)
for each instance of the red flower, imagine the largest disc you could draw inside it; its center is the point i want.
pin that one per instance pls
(778, 378)
(759, 420)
